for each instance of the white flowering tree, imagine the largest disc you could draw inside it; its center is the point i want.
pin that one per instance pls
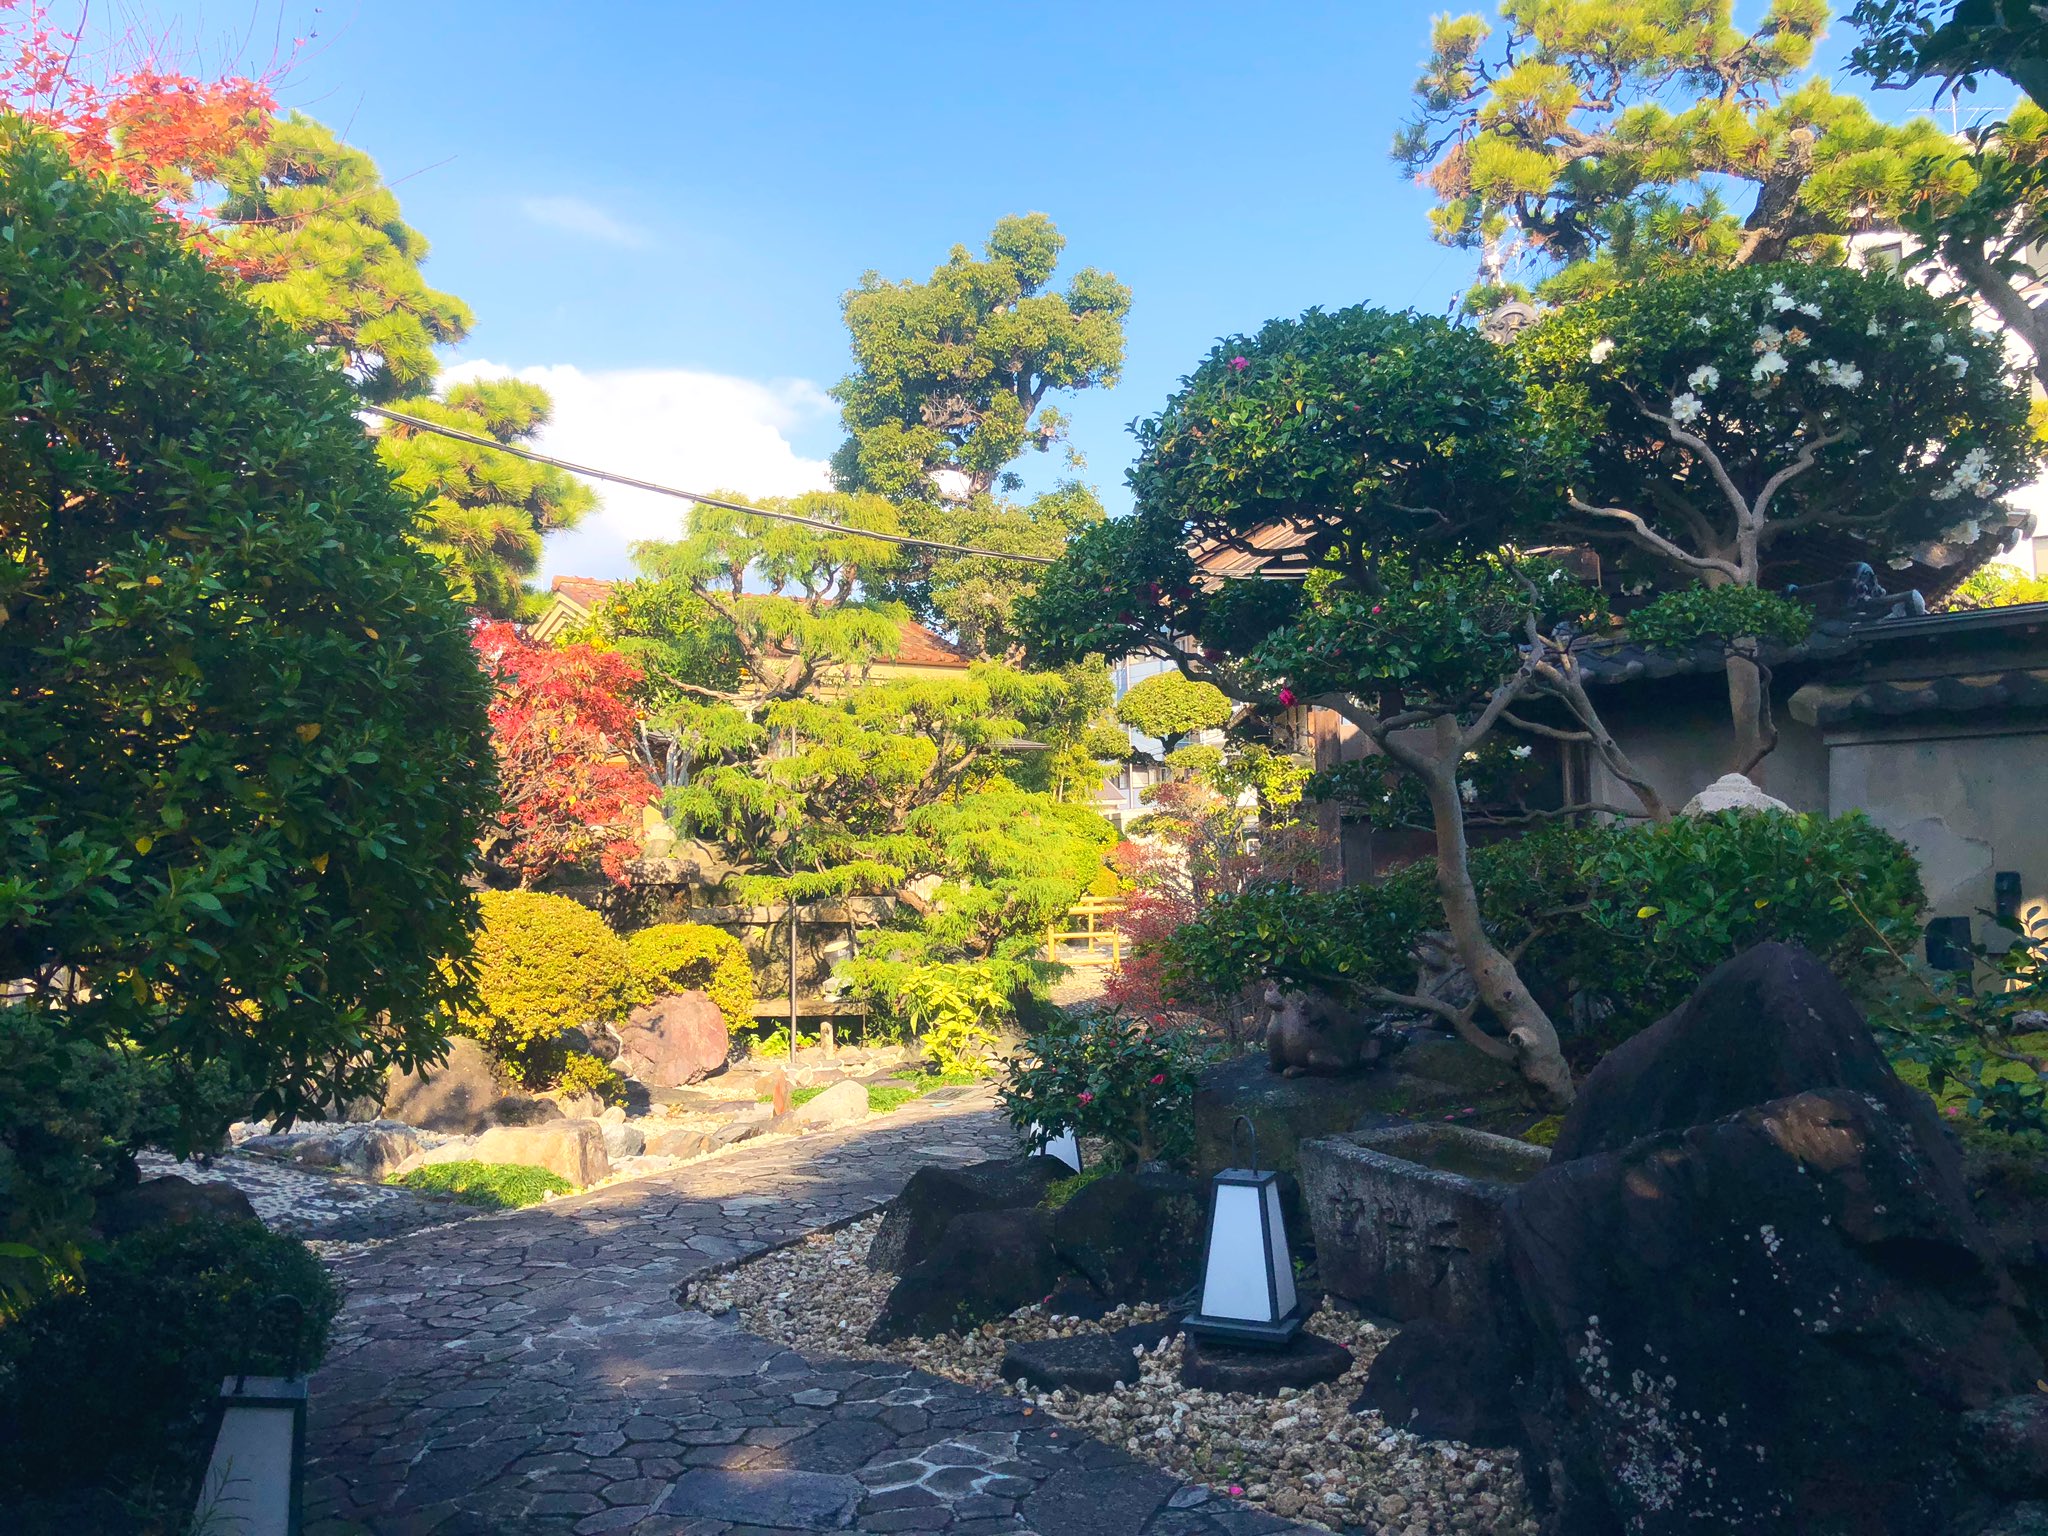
(1729, 426)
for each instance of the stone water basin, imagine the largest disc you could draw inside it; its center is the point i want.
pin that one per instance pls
(1407, 1216)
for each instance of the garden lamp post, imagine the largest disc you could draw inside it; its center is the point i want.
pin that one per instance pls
(1248, 1294)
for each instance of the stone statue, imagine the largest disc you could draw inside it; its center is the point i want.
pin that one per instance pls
(1307, 1032)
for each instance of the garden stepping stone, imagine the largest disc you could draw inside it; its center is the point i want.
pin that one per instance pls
(1305, 1362)
(790, 1501)
(1087, 1362)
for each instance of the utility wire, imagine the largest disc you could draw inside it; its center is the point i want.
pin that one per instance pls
(420, 424)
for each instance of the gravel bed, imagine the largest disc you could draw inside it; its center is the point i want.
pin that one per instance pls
(1304, 1456)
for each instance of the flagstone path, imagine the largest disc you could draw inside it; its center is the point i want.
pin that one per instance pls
(533, 1372)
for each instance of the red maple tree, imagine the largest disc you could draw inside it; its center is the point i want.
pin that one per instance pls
(562, 724)
(122, 107)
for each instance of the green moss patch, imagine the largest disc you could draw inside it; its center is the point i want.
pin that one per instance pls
(494, 1186)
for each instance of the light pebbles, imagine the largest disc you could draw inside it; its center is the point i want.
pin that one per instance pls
(1304, 1455)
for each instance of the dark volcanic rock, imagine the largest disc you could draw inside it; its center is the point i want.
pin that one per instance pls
(1088, 1362)
(1075, 1297)
(1136, 1234)
(1447, 1384)
(2027, 1519)
(2007, 1443)
(917, 1219)
(1306, 1361)
(988, 1264)
(170, 1201)
(1769, 1323)
(1771, 1023)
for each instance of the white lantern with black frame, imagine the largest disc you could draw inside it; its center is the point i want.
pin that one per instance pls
(252, 1483)
(1248, 1294)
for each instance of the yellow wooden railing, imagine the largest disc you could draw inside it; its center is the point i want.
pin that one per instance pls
(1099, 945)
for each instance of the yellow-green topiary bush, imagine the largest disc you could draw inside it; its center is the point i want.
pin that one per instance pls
(684, 957)
(544, 964)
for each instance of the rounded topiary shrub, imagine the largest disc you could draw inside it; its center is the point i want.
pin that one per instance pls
(244, 760)
(543, 964)
(686, 957)
(112, 1386)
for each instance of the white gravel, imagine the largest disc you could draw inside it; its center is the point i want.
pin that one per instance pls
(1304, 1455)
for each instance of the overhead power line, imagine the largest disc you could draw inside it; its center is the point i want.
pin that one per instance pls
(420, 424)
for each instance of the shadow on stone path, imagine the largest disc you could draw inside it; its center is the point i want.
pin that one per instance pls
(531, 1372)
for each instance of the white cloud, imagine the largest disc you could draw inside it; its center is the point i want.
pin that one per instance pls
(575, 216)
(694, 431)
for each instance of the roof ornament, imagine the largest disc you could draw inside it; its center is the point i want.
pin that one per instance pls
(1859, 597)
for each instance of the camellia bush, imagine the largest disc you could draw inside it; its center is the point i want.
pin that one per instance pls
(243, 758)
(1614, 924)
(543, 964)
(1105, 1074)
(684, 957)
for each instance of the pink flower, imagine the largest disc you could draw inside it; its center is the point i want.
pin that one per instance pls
(1087, 1097)
(1158, 1078)
(1375, 607)
(1287, 698)
(1236, 1491)
(1239, 363)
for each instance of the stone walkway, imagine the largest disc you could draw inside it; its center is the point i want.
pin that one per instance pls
(533, 1372)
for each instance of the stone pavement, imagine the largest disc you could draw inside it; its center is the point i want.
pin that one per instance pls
(533, 1372)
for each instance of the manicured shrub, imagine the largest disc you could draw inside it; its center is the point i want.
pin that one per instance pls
(1107, 1074)
(584, 1073)
(1615, 925)
(243, 756)
(112, 1386)
(495, 1186)
(543, 964)
(685, 957)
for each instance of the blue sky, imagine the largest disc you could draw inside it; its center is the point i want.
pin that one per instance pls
(655, 207)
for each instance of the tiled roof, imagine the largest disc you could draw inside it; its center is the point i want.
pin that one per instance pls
(585, 592)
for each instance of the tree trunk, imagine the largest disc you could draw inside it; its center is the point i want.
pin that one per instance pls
(1746, 703)
(1531, 1036)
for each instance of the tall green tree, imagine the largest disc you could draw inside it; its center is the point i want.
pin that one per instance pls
(951, 383)
(485, 513)
(309, 225)
(1588, 142)
(1171, 706)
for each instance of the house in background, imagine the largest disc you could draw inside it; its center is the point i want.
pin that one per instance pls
(919, 654)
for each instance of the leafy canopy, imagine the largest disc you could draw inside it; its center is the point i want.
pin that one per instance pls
(1600, 141)
(1170, 705)
(243, 761)
(1720, 416)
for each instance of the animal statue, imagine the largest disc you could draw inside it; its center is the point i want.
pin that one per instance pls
(1307, 1032)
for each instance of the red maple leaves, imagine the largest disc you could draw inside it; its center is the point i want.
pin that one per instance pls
(119, 110)
(563, 726)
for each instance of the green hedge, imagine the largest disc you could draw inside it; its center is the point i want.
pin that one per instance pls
(684, 957)
(113, 1386)
(544, 964)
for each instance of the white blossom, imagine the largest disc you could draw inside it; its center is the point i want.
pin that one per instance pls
(1768, 366)
(1519, 751)
(1686, 408)
(1704, 378)
(1810, 309)
(1958, 364)
(1702, 322)
(1964, 532)
(1780, 299)
(1947, 492)
(1467, 791)
(1768, 339)
(1601, 350)
(1875, 328)
(1841, 375)
(1937, 342)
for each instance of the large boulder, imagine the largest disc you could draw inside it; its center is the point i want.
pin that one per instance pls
(987, 1265)
(1136, 1233)
(460, 1097)
(1770, 1323)
(917, 1219)
(1770, 1023)
(169, 1201)
(371, 1149)
(572, 1149)
(1449, 1383)
(840, 1104)
(674, 1041)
